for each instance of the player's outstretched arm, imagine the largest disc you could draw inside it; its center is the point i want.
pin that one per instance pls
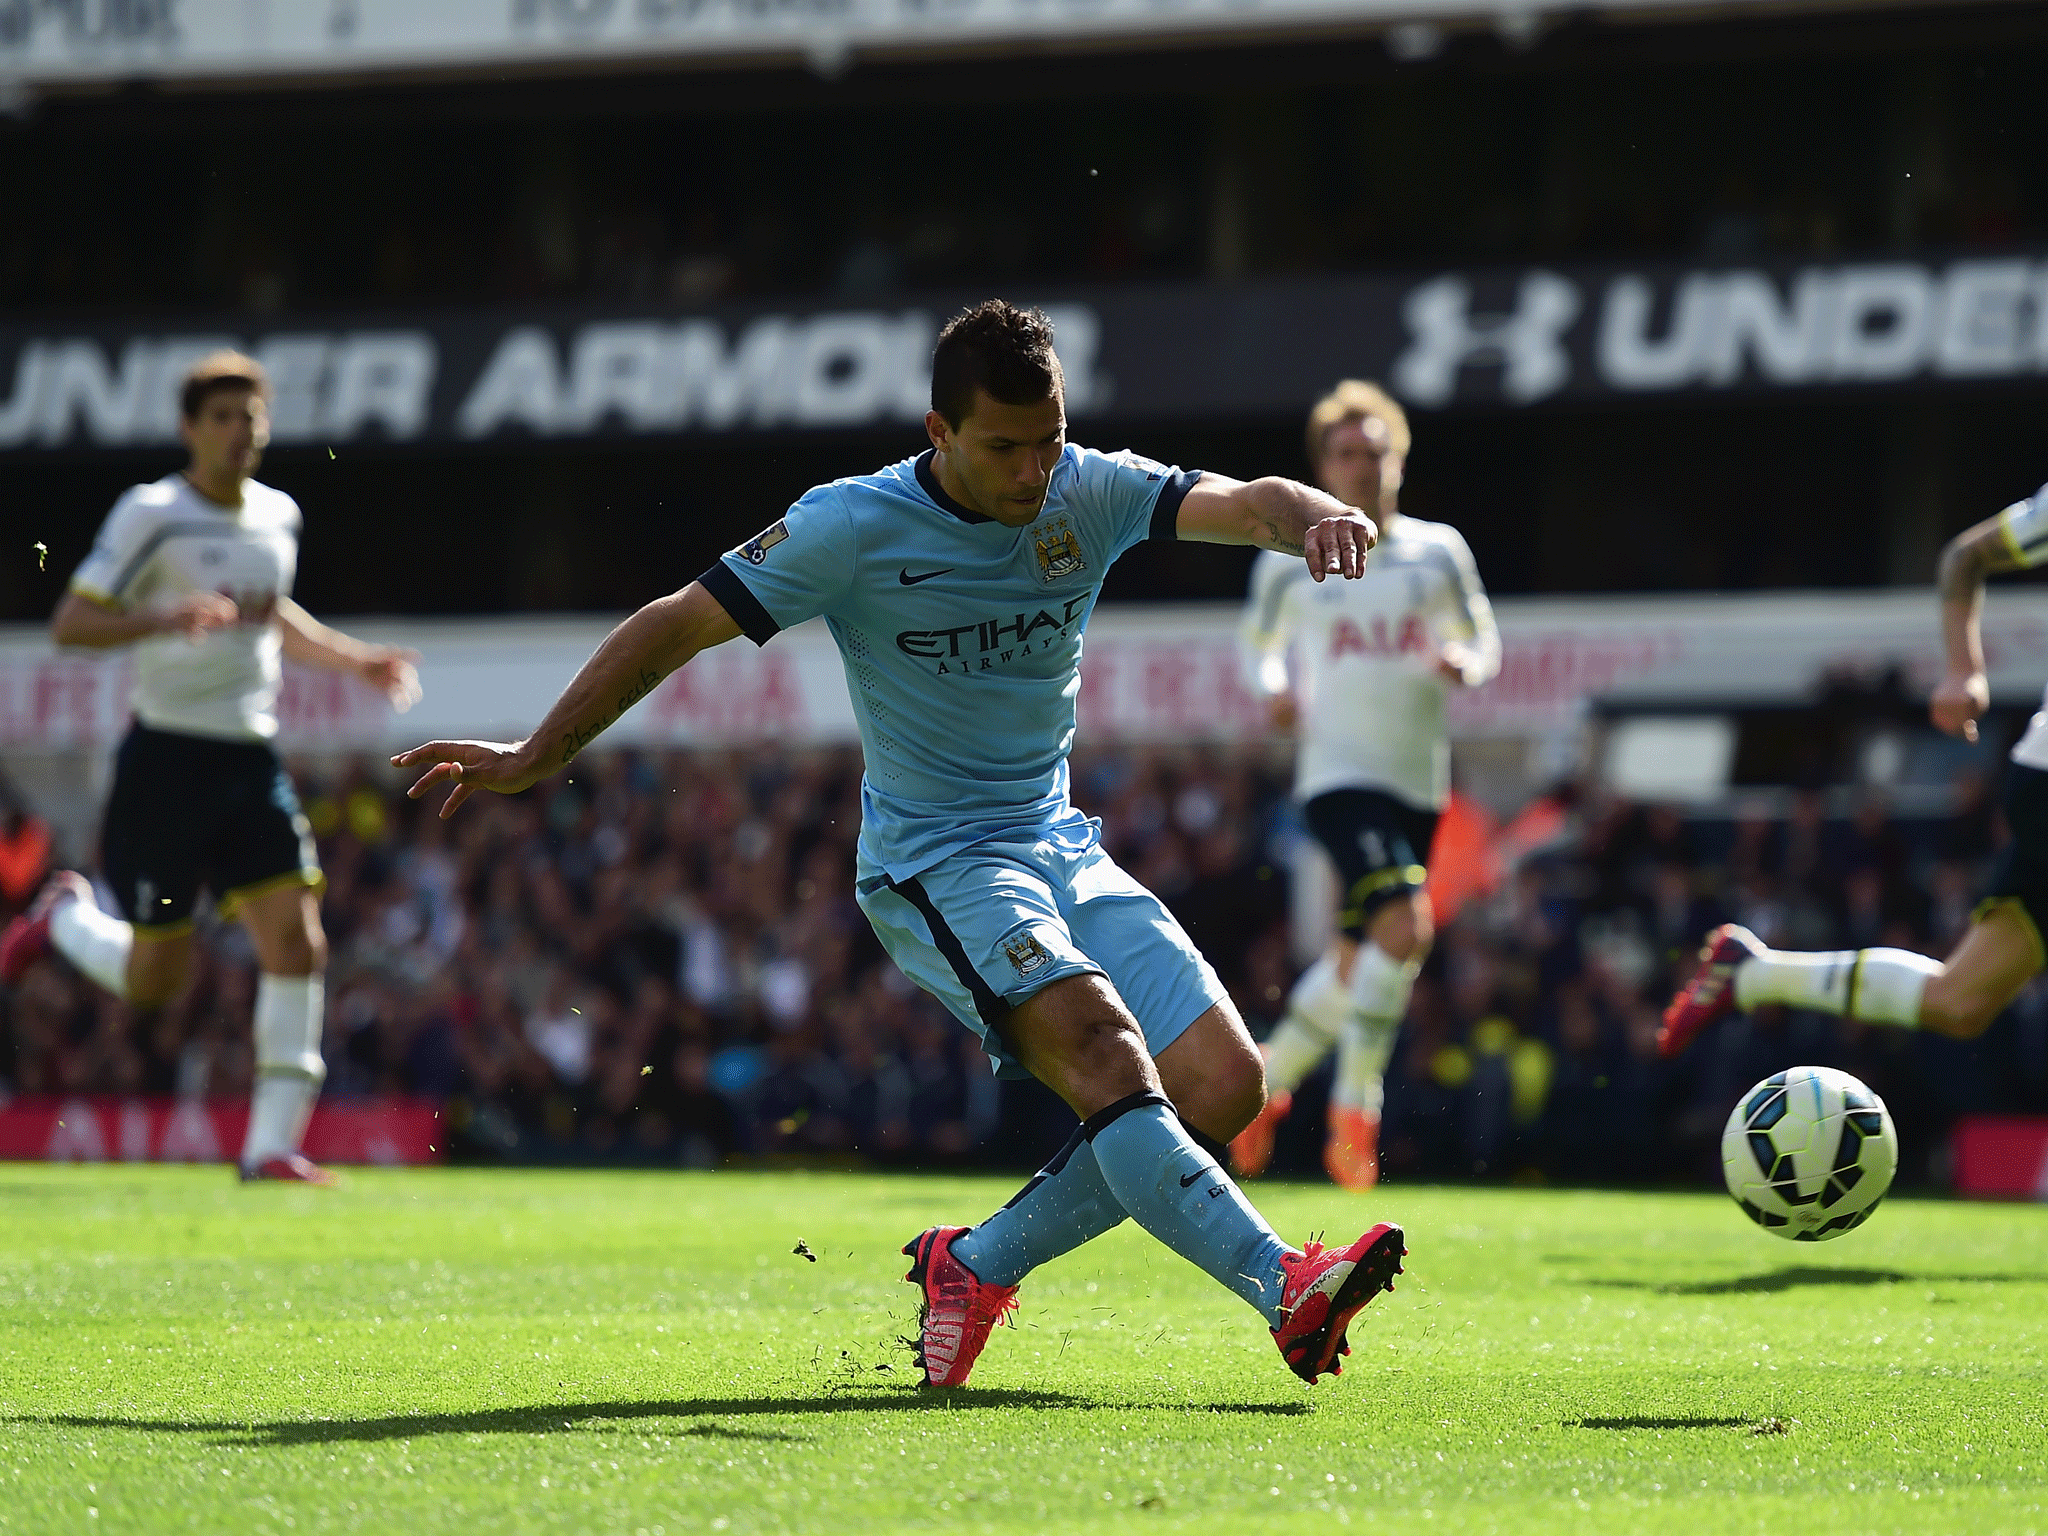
(633, 660)
(83, 621)
(392, 670)
(1964, 691)
(1280, 514)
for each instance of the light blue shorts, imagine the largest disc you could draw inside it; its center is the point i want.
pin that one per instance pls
(984, 928)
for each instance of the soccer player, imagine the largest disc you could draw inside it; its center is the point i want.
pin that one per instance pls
(1372, 661)
(957, 585)
(2001, 951)
(195, 572)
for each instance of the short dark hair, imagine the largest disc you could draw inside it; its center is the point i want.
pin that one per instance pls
(999, 349)
(217, 371)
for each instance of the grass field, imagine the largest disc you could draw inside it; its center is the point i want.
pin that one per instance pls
(491, 1351)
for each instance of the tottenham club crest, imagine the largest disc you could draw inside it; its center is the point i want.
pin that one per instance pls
(1059, 551)
(1027, 956)
(755, 550)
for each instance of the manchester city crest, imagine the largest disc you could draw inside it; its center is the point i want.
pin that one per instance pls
(1059, 551)
(1026, 955)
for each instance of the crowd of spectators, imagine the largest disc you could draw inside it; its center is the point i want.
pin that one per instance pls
(660, 960)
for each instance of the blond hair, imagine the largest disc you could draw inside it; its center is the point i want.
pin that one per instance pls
(224, 369)
(1355, 400)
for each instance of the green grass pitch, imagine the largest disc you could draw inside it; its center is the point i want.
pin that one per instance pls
(510, 1351)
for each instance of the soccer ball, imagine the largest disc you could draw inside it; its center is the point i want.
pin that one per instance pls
(1808, 1153)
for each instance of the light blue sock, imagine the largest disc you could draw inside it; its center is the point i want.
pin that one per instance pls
(1177, 1192)
(1065, 1204)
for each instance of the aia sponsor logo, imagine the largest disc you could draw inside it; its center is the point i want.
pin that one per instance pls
(1380, 638)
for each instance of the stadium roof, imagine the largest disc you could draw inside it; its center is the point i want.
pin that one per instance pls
(245, 42)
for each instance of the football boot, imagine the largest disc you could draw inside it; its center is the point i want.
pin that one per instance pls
(1351, 1149)
(27, 938)
(1251, 1150)
(288, 1169)
(1325, 1288)
(1709, 993)
(958, 1310)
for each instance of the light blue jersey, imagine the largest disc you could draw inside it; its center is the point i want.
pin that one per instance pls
(961, 636)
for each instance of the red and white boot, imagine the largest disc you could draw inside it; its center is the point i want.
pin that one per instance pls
(27, 938)
(1709, 993)
(959, 1308)
(1325, 1289)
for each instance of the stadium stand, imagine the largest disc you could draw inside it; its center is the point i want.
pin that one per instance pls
(659, 961)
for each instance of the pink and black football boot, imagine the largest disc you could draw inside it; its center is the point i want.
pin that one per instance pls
(27, 938)
(1709, 994)
(959, 1309)
(1324, 1290)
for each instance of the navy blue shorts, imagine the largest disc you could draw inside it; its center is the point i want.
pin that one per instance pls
(189, 811)
(2020, 877)
(1380, 846)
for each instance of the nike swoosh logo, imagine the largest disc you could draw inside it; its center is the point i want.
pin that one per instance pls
(1200, 1173)
(909, 580)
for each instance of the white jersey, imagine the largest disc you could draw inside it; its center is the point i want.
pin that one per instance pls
(2025, 526)
(165, 541)
(1361, 657)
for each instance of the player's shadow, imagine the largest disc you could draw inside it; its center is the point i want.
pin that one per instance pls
(560, 1418)
(1645, 1422)
(1801, 1277)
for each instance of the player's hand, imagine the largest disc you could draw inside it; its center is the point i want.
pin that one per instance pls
(394, 672)
(503, 767)
(1959, 699)
(1454, 660)
(198, 613)
(1337, 546)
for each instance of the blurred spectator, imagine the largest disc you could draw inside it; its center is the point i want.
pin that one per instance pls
(24, 857)
(659, 960)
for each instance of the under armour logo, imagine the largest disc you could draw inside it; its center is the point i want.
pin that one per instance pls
(1528, 344)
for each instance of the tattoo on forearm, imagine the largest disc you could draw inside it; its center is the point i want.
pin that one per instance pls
(577, 737)
(1285, 543)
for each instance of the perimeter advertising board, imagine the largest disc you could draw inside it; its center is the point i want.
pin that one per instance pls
(1169, 673)
(1512, 340)
(57, 42)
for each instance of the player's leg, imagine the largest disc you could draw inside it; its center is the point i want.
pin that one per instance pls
(1386, 917)
(1081, 1041)
(150, 848)
(1311, 1024)
(1997, 956)
(291, 1011)
(1210, 1072)
(65, 916)
(1213, 1072)
(984, 932)
(1398, 937)
(1312, 1020)
(1353, 998)
(268, 871)
(1104, 1041)
(988, 932)
(1209, 1067)
(1078, 1038)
